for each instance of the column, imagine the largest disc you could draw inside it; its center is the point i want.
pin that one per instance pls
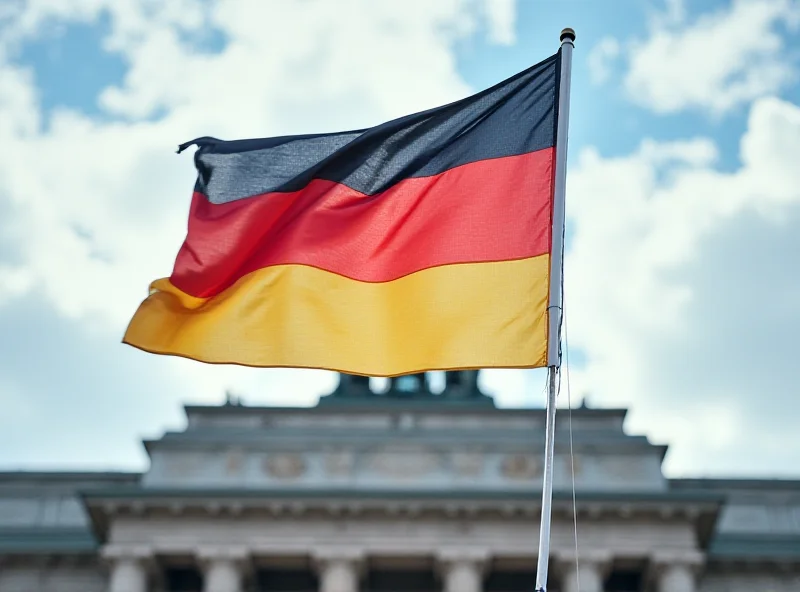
(676, 571)
(587, 575)
(339, 569)
(676, 578)
(463, 570)
(129, 568)
(223, 569)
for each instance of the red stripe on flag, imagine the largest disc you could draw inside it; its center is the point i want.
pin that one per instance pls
(490, 210)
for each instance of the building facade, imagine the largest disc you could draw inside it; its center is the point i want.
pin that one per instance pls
(395, 492)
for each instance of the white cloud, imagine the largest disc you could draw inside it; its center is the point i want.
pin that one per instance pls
(601, 58)
(502, 16)
(675, 11)
(18, 101)
(13, 282)
(716, 62)
(673, 302)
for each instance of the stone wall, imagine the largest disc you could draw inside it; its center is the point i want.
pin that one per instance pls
(761, 580)
(38, 576)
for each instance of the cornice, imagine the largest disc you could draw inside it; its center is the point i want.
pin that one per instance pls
(15, 477)
(488, 495)
(700, 511)
(496, 440)
(371, 406)
(755, 548)
(33, 541)
(730, 484)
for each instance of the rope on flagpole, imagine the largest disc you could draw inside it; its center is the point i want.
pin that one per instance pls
(571, 449)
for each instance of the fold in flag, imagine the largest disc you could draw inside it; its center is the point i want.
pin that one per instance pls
(419, 244)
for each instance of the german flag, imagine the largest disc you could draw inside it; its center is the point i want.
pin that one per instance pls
(420, 244)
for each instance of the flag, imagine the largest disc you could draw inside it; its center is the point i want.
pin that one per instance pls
(420, 244)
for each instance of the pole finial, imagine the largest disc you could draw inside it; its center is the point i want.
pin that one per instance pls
(567, 34)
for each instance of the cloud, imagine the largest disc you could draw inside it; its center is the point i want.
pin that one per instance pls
(679, 291)
(601, 58)
(502, 16)
(714, 63)
(71, 401)
(675, 12)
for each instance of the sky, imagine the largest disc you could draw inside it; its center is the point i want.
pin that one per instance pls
(682, 281)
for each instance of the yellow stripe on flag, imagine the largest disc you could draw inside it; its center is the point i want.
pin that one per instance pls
(477, 315)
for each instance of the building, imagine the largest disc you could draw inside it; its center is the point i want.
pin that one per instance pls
(396, 492)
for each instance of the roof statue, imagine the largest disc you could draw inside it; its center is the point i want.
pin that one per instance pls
(460, 385)
(232, 399)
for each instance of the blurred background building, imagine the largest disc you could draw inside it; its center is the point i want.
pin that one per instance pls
(398, 491)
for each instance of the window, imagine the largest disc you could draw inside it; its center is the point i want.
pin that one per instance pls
(183, 579)
(286, 580)
(624, 581)
(518, 580)
(391, 580)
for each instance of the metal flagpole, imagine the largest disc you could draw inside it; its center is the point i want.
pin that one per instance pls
(555, 303)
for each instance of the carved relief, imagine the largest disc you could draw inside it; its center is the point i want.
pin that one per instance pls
(520, 466)
(404, 463)
(622, 468)
(576, 461)
(183, 464)
(467, 464)
(340, 463)
(285, 466)
(234, 461)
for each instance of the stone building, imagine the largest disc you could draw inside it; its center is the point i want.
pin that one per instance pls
(395, 492)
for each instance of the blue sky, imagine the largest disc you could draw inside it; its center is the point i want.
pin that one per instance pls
(683, 297)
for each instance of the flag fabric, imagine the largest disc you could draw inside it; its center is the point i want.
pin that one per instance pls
(419, 244)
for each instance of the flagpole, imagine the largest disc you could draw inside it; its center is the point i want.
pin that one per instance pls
(554, 308)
